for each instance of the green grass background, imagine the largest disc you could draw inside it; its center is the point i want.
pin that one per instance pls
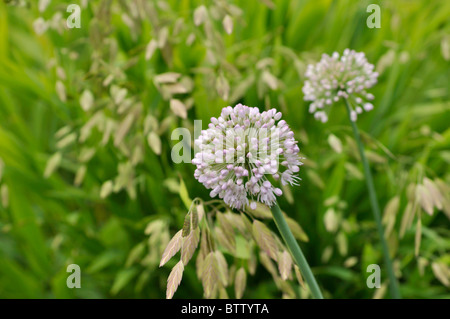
(49, 223)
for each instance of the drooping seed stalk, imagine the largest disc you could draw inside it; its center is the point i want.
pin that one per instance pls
(393, 285)
(296, 252)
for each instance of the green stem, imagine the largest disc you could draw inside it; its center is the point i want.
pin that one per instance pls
(395, 293)
(296, 252)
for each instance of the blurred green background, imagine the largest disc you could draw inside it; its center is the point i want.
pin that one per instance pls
(86, 117)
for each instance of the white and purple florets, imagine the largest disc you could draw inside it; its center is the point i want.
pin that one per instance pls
(340, 77)
(243, 153)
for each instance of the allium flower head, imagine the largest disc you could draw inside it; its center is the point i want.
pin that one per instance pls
(337, 77)
(244, 153)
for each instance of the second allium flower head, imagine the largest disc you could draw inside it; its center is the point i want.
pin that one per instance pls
(340, 77)
(243, 153)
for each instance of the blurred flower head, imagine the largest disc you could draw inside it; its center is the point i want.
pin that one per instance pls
(339, 77)
(244, 153)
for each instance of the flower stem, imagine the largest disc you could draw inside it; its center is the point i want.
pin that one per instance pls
(296, 252)
(393, 285)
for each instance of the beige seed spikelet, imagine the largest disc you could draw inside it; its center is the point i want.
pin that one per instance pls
(174, 279)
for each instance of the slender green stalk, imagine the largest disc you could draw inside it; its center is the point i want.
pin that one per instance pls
(393, 285)
(296, 252)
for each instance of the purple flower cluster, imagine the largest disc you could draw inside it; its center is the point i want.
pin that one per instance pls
(243, 153)
(339, 77)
